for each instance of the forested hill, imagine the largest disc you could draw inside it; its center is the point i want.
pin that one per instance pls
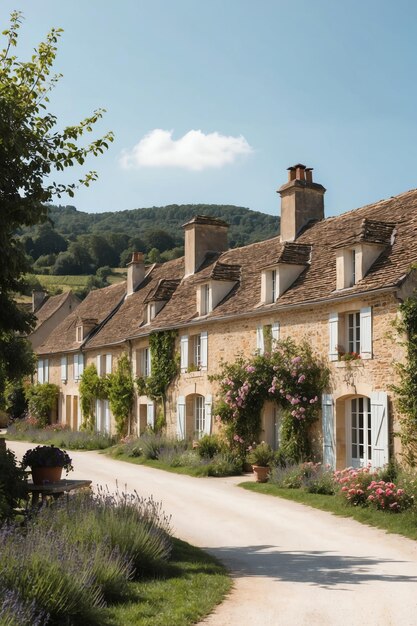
(76, 243)
(246, 226)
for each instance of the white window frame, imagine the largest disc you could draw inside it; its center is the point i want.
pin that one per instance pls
(205, 299)
(353, 329)
(199, 416)
(196, 350)
(273, 285)
(359, 436)
(79, 333)
(145, 362)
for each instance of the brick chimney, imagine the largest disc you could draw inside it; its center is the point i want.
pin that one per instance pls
(203, 235)
(38, 298)
(302, 201)
(135, 272)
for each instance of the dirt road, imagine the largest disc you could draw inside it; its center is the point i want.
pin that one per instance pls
(292, 565)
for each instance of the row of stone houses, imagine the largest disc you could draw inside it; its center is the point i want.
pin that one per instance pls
(336, 281)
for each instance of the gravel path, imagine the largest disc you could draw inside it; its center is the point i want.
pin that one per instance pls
(292, 565)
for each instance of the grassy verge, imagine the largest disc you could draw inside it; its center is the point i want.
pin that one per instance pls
(70, 440)
(197, 583)
(404, 523)
(187, 470)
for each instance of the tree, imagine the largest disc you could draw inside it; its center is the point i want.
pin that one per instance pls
(159, 239)
(32, 150)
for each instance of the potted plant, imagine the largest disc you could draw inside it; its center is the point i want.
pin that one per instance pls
(260, 457)
(46, 463)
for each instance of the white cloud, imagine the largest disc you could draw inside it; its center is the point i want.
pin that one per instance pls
(194, 151)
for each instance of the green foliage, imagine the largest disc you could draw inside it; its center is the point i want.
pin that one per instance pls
(32, 151)
(291, 376)
(13, 483)
(406, 390)
(42, 399)
(164, 365)
(208, 446)
(91, 388)
(17, 360)
(120, 389)
(59, 435)
(261, 454)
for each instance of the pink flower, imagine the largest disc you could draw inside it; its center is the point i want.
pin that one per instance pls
(301, 378)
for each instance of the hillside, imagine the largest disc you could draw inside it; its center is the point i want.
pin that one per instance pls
(246, 226)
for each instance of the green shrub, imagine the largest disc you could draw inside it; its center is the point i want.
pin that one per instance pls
(13, 483)
(42, 399)
(208, 446)
(224, 464)
(59, 435)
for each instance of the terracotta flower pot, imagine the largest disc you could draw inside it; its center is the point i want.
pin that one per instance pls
(261, 473)
(42, 475)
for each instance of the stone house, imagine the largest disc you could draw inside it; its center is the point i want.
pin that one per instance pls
(50, 311)
(336, 281)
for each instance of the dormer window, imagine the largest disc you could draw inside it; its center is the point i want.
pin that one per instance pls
(291, 261)
(210, 293)
(83, 327)
(356, 255)
(79, 332)
(205, 299)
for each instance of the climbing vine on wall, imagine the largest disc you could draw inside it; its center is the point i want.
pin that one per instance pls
(91, 388)
(292, 377)
(120, 392)
(164, 368)
(406, 390)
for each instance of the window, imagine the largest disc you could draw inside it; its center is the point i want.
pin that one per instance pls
(353, 267)
(200, 416)
(360, 431)
(145, 362)
(79, 334)
(205, 299)
(43, 371)
(273, 285)
(350, 332)
(194, 352)
(78, 366)
(353, 332)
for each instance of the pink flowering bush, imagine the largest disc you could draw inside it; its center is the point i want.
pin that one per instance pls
(362, 487)
(388, 497)
(354, 483)
(291, 376)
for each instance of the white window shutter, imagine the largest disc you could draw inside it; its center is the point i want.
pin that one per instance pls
(204, 350)
(109, 362)
(64, 368)
(98, 415)
(149, 363)
(46, 371)
(333, 336)
(329, 447)
(208, 402)
(260, 344)
(98, 360)
(150, 415)
(181, 418)
(379, 428)
(106, 416)
(76, 366)
(134, 364)
(184, 352)
(80, 365)
(366, 332)
(40, 372)
(275, 332)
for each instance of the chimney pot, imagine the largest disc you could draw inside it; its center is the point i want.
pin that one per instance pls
(137, 257)
(135, 272)
(309, 174)
(291, 173)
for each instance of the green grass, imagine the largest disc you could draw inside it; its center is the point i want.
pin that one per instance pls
(195, 585)
(404, 523)
(70, 440)
(76, 283)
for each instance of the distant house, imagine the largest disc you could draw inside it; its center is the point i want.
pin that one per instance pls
(50, 311)
(336, 281)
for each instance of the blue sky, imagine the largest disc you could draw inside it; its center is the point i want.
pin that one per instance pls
(264, 84)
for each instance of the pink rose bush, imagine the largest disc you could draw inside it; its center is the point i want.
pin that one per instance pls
(361, 487)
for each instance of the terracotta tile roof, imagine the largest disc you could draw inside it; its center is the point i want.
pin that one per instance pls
(98, 305)
(163, 290)
(370, 231)
(294, 254)
(50, 306)
(315, 284)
